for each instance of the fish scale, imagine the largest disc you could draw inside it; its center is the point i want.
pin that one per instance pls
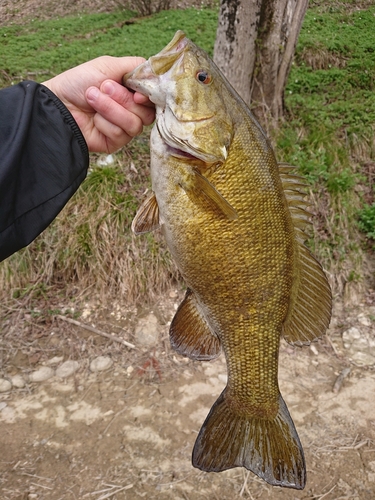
(234, 221)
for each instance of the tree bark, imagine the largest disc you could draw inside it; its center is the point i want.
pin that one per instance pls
(254, 48)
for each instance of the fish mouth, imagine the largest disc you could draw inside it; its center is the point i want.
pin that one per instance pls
(179, 153)
(176, 127)
(165, 59)
(144, 77)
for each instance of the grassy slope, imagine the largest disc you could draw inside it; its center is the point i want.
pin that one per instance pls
(329, 133)
(331, 128)
(57, 45)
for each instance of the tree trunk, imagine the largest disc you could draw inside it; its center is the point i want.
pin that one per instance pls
(254, 48)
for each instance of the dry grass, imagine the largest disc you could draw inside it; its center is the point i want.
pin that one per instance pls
(22, 11)
(90, 244)
(336, 242)
(321, 58)
(346, 7)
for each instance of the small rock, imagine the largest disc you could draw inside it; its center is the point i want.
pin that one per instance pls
(364, 320)
(129, 370)
(42, 374)
(363, 358)
(55, 360)
(18, 381)
(147, 331)
(5, 385)
(350, 335)
(314, 349)
(360, 347)
(85, 313)
(108, 160)
(100, 364)
(67, 369)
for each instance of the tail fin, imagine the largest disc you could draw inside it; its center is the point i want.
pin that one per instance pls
(269, 448)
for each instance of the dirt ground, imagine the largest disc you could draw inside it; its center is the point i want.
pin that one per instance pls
(22, 11)
(127, 432)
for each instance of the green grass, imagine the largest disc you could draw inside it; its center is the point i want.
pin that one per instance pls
(329, 132)
(340, 95)
(367, 220)
(57, 45)
(329, 129)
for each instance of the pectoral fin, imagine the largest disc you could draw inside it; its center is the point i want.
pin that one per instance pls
(204, 186)
(147, 217)
(190, 334)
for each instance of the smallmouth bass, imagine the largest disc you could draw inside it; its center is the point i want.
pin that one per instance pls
(234, 222)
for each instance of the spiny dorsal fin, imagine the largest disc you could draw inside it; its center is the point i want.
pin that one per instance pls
(310, 310)
(190, 334)
(294, 187)
(147, 217)
(203, 185)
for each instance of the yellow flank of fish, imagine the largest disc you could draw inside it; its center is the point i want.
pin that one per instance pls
(234, 221)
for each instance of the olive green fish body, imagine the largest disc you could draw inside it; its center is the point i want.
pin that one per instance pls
(233, 220)
(240, 271)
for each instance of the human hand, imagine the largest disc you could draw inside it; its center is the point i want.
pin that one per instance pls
(108, 114)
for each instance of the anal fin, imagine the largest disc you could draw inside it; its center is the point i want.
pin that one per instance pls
(147, 217)
(190, 334)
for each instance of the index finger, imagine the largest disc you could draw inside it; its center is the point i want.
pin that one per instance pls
(125, 98)
(115, 68)
(142, 99)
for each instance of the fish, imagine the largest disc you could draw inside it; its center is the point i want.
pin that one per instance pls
(235, 221)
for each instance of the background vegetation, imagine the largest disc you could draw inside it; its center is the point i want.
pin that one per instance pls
(328, 131)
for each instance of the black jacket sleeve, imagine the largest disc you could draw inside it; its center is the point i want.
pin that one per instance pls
(43, 160)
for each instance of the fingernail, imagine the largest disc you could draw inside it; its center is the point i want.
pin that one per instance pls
(108, 88)
(93, 93)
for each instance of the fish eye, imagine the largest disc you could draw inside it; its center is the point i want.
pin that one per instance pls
(204, 77)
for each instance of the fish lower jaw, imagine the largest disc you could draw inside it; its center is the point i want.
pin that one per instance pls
(190, 154)
(179, 153)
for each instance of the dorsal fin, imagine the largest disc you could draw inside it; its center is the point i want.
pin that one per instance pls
(310, 314)
(190, 334)
(311, 303)
(147, 217)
